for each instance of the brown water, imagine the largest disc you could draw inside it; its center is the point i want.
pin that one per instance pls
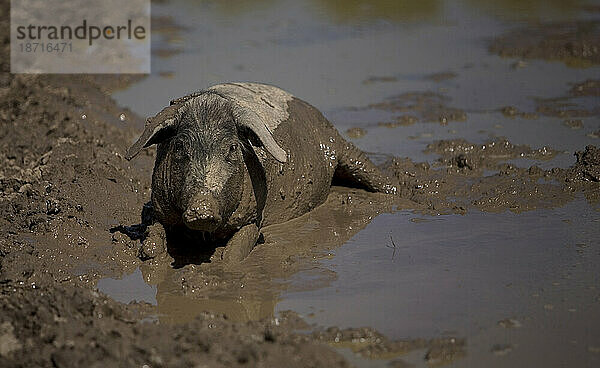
(405, 274)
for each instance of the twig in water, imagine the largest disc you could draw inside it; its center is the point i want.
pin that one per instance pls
(393, 246)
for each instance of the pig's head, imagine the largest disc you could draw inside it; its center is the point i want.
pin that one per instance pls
(199, 171)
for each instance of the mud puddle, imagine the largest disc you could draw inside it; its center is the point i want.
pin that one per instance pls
(251, 290)
(472, 271)
(396, 86)
(128, 288)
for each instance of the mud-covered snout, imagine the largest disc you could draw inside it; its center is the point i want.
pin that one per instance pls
(202, 213)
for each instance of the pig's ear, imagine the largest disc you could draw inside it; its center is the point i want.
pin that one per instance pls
(249, 119)
(157, 128)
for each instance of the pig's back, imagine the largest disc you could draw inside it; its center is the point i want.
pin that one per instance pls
(303, 182)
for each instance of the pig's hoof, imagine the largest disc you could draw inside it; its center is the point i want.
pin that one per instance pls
(240, 245)
(155, 244)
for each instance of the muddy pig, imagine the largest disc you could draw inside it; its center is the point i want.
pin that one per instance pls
(239, 156)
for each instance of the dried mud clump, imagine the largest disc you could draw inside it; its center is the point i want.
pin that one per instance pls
(575, 43)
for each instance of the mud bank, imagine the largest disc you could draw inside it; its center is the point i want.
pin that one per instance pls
(477, 176)
(574, 43)
(67, 326)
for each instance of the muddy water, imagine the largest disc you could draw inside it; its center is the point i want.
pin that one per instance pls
(337, 63)
(407, 77)
(461, 275)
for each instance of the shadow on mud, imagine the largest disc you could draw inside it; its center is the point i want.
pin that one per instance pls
(182, 247)
(186, 249)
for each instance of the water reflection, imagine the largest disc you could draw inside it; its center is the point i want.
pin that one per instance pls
(521, 9)
(359, 11)
(250, 290)
(353, 11)
(232, 8)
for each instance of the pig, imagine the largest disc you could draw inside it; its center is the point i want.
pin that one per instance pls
(239, 156)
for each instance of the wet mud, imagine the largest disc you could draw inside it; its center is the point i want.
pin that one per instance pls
(72, 212)
(425, 106)
(574, 43)
(66, 326)
(477, 176)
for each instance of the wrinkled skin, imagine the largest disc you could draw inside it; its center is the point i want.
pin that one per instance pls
(217, 181)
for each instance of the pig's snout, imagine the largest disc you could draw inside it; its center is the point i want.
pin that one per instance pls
(202, 213)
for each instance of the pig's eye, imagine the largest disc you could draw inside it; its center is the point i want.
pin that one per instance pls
(179, 148)
(232, 155)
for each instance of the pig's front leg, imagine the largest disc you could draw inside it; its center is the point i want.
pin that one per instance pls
(240, 245)
(155, 243)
